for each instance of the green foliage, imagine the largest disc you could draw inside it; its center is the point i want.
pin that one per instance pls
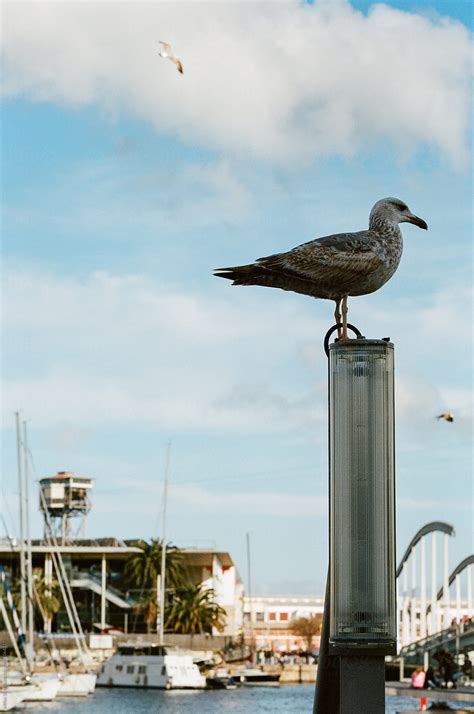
(141, 569)
(45, 596)
(193, 611)
(147, 607)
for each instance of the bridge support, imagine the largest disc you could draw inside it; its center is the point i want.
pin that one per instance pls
(434, 602)
(423, 590)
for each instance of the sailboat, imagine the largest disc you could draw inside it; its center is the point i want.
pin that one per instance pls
(253, 676)
(43, 686)
(22, 684)
(140, 665)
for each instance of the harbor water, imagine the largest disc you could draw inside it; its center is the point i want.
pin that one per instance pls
(288, 699)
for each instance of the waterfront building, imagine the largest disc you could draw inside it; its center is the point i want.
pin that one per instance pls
(268, 621)
(95, 569)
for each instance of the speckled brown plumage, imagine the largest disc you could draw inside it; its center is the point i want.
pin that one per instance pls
(335, 266)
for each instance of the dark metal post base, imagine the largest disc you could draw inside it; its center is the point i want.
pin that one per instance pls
(362, 685)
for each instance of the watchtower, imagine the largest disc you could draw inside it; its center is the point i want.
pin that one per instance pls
(63, 497)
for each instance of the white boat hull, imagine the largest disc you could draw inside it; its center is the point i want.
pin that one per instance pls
(11, 697)
(72, 684)
(77, 685)
(40, 688)
(174, 671)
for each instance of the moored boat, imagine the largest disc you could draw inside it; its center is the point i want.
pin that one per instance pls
(38, 688)
(253, 677)
(77, 684)
(150, 666)
(11, 697)
(220, 679)
(73, 684)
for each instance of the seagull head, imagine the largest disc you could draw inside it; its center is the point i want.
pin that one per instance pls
(393, 210)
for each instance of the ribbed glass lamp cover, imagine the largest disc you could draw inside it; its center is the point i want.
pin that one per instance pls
(362, 496)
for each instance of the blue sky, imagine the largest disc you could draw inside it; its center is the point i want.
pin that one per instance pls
(124, 185)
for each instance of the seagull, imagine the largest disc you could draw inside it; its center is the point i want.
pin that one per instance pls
(336, 266)
(169, 54)
(447, 416)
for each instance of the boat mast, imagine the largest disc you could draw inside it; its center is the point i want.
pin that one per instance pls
(163, 545)
(4, 613)
(21, 523)
(249, 585)
(29, 569)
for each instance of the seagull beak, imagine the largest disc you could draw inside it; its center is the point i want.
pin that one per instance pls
(417, 221)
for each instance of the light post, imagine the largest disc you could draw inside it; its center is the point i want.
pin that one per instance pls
(360, 609)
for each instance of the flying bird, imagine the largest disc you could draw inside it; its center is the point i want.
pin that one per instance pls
(337, 266)
(447, 416)
(168, 53)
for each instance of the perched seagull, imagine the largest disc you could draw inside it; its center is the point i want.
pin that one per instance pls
(169, 54)
(446, 416)
(336, 266)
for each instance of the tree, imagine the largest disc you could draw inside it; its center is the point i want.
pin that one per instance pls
(193, 610)
(147, 607)
(45, 595)
(307, 628)
(142, 569)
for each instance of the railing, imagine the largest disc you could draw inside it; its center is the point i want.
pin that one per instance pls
(454, 638)
(95, 580)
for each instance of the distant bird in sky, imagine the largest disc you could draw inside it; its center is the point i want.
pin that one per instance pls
(336, 266)
(447, 416)
(168, 53)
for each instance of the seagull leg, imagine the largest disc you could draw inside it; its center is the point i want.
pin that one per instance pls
(337, 317)
(344, 318)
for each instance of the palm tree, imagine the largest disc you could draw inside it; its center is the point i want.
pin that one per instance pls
(193, 610)
(142, 569)
(147, 607)
(45, 595)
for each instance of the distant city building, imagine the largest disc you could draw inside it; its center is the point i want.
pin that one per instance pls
(268, 620)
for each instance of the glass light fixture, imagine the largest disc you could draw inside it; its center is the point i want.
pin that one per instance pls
(362, 498)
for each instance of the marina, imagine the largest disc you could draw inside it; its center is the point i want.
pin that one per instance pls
(295, 699)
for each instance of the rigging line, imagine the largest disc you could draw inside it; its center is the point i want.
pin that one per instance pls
(62, 578)
(36, 600)
(5, 501)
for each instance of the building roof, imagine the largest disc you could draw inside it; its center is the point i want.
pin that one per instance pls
(204, 556)
(116, 548)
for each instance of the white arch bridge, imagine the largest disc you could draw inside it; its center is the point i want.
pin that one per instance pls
(434, 606)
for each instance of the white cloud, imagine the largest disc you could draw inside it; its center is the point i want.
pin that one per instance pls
(109, 199)
(191, 497)
(279, 81)
(111, 349)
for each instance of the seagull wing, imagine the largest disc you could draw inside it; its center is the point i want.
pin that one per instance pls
(167, 47)
(336, 259)
(178, 64)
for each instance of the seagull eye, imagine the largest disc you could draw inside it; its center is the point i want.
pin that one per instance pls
(401, 206)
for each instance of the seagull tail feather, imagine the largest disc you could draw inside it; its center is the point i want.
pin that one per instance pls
(243, 274)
